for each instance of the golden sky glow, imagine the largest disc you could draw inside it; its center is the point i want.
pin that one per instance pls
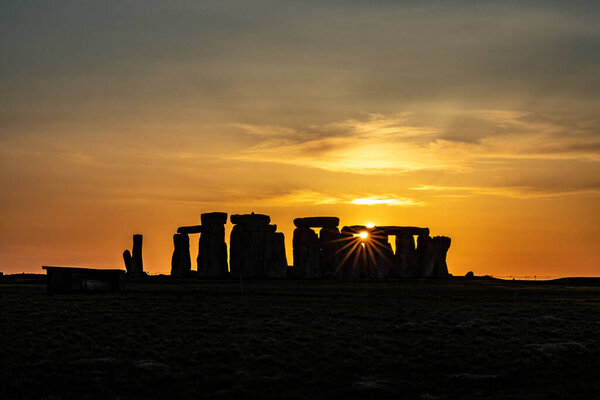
(478, 120)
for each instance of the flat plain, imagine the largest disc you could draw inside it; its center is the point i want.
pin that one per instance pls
(302, 339)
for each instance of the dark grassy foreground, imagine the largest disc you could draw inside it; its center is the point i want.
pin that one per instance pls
(295, 339)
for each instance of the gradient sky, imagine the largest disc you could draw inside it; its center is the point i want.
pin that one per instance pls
(480, 120)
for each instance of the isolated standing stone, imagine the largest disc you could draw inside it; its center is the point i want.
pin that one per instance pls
(137, 264)
(181, 263)
(127, 260)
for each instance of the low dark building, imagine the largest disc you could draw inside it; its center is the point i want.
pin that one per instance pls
(65, 280)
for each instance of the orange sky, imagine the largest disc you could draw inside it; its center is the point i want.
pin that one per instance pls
(478, 121)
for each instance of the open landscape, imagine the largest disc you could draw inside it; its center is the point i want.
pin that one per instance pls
(165, 338)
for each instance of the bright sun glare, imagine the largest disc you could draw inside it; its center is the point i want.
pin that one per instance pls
(363, 235)
(369, 224)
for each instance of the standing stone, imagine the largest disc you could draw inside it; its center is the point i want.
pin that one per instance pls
(425, 261)
(181, 263)
(405, 259)
(137, 264)
(277, 262)
(379, 255)
(307, 254)
(127, 260)
(441, 244)
(212, 250)
(330, 244)
(257, 250)
(351, 266)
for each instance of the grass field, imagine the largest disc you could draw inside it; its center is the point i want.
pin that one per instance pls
(302, 339)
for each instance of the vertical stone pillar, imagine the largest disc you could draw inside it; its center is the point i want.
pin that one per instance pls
(379, 255)
(425, 261)
(405, 259)
(307, 254)
(330, 243)
(441, 244)
(277, 262)
(137, 264)
(212, 249)
(181, 263)
(351, 263)
(127, 260)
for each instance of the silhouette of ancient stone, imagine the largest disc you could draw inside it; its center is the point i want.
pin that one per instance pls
(470, 275)
(257, 250)
(317, 222)
(425, 260)
(440, 246)
(137, 264)
(405, 259)
(402, 230)
(219, 218)
(127, 260)
(277, 262)
(330, 244)
(379, 255)
(188, 230)
(212, 250)
(181, 263)
(307, 253)
(250, 219)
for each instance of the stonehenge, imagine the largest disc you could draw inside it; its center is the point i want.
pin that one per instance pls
(345, 254)
(212, 249)
(257, 250)
(134, 264)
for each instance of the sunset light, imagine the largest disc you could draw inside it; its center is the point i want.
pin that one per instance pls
(369, 224)
(363, 235)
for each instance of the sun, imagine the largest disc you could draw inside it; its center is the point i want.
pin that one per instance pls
(363, 235)
(369, 225)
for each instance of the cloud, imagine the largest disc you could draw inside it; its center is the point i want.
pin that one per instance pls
(522, 192)
(408, 142)
(307, 196)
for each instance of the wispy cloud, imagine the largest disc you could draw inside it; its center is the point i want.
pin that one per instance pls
(519, 192)
(455, 141)
(318, 198)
